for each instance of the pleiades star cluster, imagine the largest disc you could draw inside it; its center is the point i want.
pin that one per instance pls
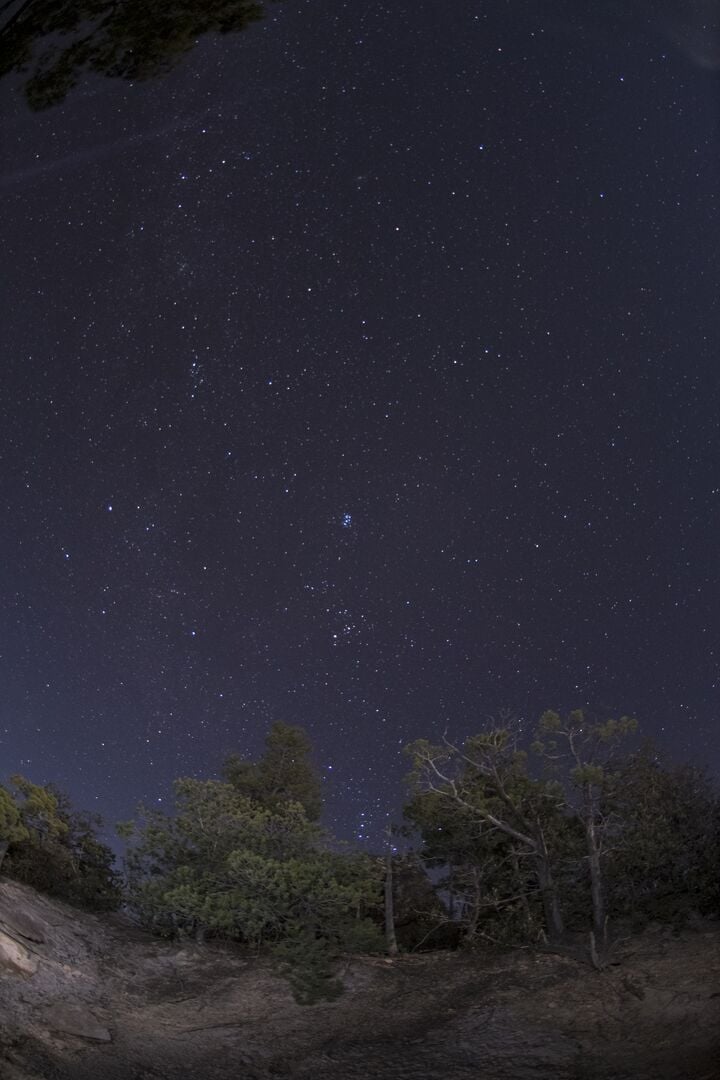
(362, 374)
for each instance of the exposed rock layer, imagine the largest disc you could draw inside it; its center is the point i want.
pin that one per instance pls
(94, 998)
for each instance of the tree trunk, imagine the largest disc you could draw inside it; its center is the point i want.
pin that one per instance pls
(551, 908)
(474, 919)
(451, 896)
(390, 936)
(522, 889)
(596, 882)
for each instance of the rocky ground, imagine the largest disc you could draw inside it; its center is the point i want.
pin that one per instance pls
(91, 998)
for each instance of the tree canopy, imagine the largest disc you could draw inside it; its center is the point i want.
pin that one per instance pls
(245, 859)
(53, 42)
(664, 859)
(486, 785)
(285, 772)
(56, 848)
(578, 828)
(530, 837)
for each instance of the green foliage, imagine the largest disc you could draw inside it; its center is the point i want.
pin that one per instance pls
(55, 41)
(308, 963)
(603, 831)
(588, 775)
(514, 842)
(549, 721)
(285, 773)
(487, 891)
(55, 848)
(254, 870)
(578, 726)
(582, 752)
(12, 827)
(665, 856)
(483, 816)
(487, 783)
(623, 834)
(40, 809)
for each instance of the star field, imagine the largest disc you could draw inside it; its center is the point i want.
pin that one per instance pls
(362, 374)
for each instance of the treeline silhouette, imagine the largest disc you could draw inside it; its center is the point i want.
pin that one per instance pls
(563, 838)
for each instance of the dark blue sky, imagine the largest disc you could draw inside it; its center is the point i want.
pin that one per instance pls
(362, 374)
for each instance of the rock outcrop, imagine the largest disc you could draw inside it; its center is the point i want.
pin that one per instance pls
(15, 957)
(86, 997)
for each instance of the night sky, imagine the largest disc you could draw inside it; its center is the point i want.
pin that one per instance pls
(362, 374)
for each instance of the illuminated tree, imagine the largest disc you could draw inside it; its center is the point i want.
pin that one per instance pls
(285, 772)
(12, 829)
(486, 784)
(244, 860)
(55, 848)
(583, 752)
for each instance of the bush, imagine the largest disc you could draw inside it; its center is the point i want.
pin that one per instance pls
(55, 849)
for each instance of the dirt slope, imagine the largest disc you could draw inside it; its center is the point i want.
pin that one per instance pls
(90, 998)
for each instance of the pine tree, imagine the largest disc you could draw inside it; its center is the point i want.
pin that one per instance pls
(242, 859)
(285, 772)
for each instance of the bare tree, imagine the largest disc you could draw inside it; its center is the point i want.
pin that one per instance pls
(488, 777)
(584, 749)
